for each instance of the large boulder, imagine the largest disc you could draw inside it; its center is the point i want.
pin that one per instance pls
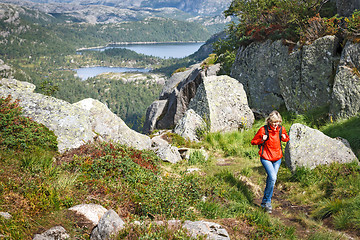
(301, 79)
(347, 7)
(176, 95)
(111, 127)
(70, 123)
(346, 90)
(179, 98)
(222, 102)
(309, 148)
(109, 226)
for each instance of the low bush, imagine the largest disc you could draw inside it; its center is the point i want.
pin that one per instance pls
(19, 132)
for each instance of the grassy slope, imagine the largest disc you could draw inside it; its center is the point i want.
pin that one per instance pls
(36, 191)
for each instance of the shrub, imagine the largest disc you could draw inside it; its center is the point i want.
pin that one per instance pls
(19, 132)
(353, 25)
(318, 27)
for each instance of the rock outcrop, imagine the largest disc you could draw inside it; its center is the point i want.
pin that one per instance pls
(346, 90)
(309, 148)
(347, 7)
(256, 67)
(111, 127)
(70, 124)
(178, 92)
(153, 113)
(302, 79)
(219, 99)
(321, 75)
(81, 122)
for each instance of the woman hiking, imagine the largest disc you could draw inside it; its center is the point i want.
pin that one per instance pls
(269, 139)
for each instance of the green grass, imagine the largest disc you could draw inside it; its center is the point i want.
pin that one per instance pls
(348, 129)
(37, 185)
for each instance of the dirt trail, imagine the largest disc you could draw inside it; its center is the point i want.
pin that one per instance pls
(288, 213)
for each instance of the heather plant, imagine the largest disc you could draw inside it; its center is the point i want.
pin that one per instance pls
(353, 25)
(19, 132)
(318, 27)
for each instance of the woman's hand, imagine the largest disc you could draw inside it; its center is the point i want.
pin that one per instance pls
(264, 137)
(283, 136)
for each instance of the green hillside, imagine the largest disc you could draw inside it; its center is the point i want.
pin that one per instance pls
(309, 204)
(42, 50)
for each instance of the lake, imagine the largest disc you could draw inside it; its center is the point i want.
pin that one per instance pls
(163, 50)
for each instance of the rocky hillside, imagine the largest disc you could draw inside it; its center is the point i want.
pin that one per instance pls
(206, 12)
(322, 76)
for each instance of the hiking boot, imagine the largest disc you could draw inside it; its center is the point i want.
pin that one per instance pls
(267, 207)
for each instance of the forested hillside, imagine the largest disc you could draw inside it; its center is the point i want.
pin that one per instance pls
(42, 48)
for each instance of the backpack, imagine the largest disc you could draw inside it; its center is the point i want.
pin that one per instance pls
(266, 127)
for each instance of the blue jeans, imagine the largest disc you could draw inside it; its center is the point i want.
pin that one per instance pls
(271, 169)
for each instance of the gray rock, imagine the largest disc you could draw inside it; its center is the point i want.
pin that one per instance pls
(301, 79)
(347, 7)
(55, 233)
(154, 111)
(256, 67)
(221, 100)
(213, 70)
(70, 124)
(92, 212)
(213, 231)
(313, 88)
(174, 81)
(165, 151)
(111, 127)
(309, 148)
(346, 89)
(179, 97)
(188, 126)
(109, 226)
(5, 215)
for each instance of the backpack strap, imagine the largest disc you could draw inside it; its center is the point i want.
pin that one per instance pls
(280, 133)
(266, 127)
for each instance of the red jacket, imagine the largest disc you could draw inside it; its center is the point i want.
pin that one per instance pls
(272, 148)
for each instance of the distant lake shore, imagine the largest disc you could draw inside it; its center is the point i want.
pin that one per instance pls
(117, 44)
(156, 49)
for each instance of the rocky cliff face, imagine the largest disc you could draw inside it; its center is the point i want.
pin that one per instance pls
(310, 77)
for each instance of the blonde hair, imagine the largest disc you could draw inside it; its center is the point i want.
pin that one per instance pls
(274, 116)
